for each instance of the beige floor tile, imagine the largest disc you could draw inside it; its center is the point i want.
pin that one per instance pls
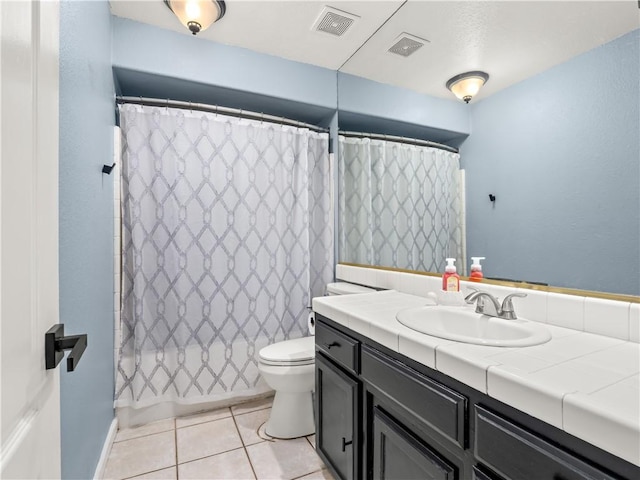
(323, 474)
(148, 429)
(247, 407)
(249, 423)
(284, 459)
(205, 439)
(141, 455)
(229, 465)
(203, 417)
(312, 440)
(164, 474)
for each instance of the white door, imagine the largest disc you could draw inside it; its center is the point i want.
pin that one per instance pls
(29, 395)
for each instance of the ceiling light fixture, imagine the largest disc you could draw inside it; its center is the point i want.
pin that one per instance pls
(466, 85)
(197, 15)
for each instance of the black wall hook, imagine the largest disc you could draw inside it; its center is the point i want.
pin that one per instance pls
(55, 343)
(492, 197)
(107, 168)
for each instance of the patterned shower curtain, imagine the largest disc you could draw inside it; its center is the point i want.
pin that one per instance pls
(400, 205)
(227, 235)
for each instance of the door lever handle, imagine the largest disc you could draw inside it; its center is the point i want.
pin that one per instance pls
(55, 343)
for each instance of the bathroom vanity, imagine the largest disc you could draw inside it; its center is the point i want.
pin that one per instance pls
(383, 414)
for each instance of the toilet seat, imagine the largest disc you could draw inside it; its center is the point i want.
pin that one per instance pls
(300, 351)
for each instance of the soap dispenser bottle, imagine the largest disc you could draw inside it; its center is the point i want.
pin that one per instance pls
(450, 279)
(476, 269)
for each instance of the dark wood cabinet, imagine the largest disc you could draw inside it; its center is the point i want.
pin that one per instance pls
(337, 418)
(480, 473)
(435, 405)
(398, 454)
(516, 453)
(380, 415)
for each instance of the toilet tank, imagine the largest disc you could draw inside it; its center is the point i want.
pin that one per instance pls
(344, 288)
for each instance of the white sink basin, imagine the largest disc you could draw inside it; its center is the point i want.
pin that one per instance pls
(464, 325)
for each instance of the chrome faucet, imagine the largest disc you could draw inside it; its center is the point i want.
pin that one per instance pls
(493, 307)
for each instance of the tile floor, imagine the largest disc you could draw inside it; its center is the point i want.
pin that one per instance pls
(229, 443)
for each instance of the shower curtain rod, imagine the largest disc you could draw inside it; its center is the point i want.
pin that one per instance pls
(234, 112)
(393, 138)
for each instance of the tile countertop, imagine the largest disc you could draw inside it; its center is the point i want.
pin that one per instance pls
(585, 384)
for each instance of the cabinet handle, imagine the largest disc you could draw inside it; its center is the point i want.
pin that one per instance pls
(345, 443)
(332, 344)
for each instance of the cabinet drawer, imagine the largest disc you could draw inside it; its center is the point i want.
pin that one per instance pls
(429, 401)
(338, 346)
(516, 453)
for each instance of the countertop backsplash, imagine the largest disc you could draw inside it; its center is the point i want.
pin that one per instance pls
(610, 318)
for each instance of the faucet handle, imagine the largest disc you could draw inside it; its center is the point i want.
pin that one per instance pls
(507, 306)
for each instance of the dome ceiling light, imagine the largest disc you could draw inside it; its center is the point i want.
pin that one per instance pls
(197, 15)
(466, 85)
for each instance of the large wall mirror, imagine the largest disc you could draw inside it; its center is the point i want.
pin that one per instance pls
(554, 134)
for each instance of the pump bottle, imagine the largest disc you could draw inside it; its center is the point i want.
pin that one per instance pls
(450, 279)
(476, 269)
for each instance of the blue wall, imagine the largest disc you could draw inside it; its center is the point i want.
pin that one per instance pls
(189, 68)
(561, 152)
(86, 229)
(374, 107)
(173, 58)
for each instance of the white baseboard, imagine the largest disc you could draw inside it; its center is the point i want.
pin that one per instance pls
(106, 449)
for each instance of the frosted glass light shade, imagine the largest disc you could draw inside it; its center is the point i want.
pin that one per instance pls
(466, 85)
(197, 15)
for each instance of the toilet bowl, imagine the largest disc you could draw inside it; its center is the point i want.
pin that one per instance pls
(288, 367)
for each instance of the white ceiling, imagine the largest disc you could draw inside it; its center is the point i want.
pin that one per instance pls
(510, 40)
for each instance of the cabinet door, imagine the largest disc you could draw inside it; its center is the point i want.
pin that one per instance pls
(337, 418)
(399, 455)
(479, 474)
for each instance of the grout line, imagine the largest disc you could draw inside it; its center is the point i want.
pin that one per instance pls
(141, 436)
(562, 406)
(245, 448)
(209, 456)
(152, 471)
(212, 455)
(562, 362)
(239, 405)
(610, 385)
(308, 440)
(250, 411)
(305, 474)
(202, 422)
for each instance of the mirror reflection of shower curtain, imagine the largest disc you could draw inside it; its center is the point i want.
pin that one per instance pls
(227, 234)
(400, 205)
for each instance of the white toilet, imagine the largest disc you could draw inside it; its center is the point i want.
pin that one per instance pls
(288, 368)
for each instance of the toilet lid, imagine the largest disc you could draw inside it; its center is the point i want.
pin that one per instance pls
(299, 352)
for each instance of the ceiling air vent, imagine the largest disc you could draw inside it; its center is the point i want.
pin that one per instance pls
(407, 44)
(334, 21)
